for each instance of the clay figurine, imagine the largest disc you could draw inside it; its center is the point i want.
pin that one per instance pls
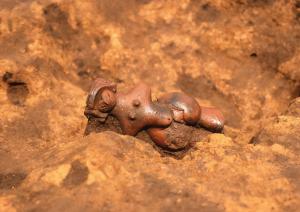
(166, 121)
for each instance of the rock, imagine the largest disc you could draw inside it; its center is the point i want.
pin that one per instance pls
(57, 175)
(113, 172)
(6, 204)
(291, 68)
(239, 56)
(294, 108)
(219, 138)
(284, 130)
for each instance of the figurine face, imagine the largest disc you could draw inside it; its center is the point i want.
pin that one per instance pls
(101, 99)
(105, 101)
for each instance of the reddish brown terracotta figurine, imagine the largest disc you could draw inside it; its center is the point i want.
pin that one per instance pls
(135, 111)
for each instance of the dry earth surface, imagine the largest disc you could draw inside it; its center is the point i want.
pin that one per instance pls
(242, 56)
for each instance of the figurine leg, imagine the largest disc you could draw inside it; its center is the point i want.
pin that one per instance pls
(211, 119)
(175, 137)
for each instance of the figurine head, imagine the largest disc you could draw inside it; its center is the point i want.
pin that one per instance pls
(102, 96)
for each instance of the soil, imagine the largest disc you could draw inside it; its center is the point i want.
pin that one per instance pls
(242, 56)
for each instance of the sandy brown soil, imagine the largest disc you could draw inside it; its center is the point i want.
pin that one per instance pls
(242, 56)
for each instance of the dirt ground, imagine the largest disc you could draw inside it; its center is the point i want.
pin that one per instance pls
(242, 56)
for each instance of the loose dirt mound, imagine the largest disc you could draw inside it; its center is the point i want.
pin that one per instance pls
(241, 56)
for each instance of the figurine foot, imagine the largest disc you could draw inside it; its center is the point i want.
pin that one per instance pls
(211, 119)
